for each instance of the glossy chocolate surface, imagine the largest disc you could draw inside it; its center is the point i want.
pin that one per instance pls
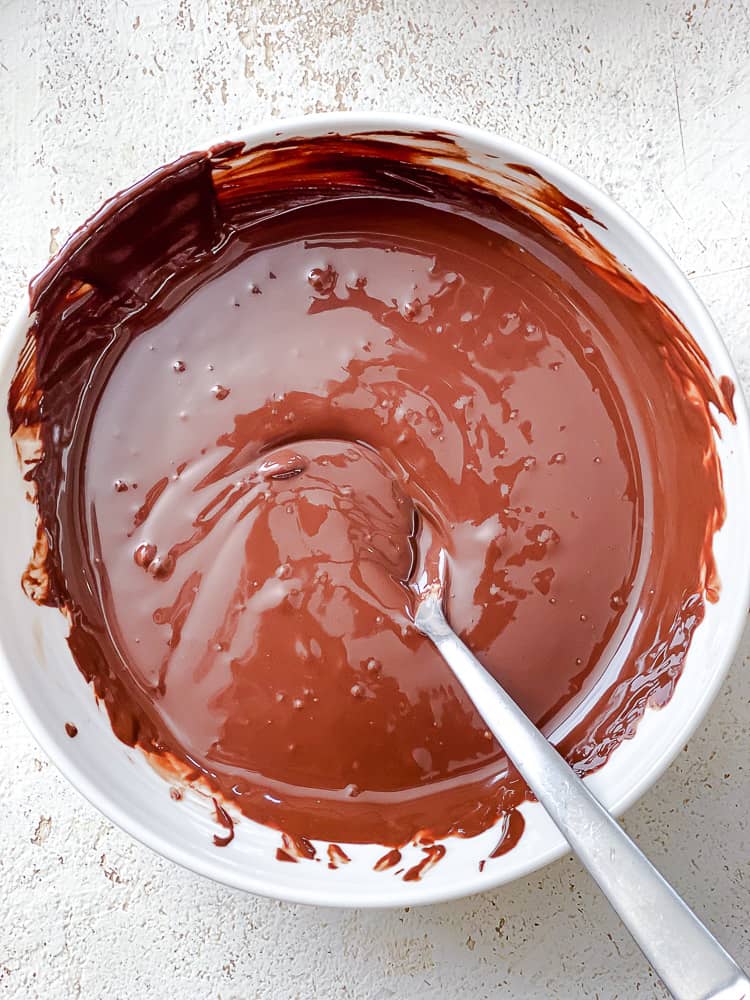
(251, 379)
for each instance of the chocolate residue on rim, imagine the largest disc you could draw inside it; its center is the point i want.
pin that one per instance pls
(389, 860)
(432, 854)
(297, 848)
(511, 827)
(225, 820)
(245, 378)
(337, 856)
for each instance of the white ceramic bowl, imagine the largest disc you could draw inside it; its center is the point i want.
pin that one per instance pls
(48, 690)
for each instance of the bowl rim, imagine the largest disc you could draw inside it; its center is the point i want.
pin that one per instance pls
(419, 893)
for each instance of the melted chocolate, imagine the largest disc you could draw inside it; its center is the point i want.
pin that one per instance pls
(337, 856)
(389, 860)
(432, 854)
(223, 819)
(250, 382)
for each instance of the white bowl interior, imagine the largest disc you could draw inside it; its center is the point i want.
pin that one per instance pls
(49, 691)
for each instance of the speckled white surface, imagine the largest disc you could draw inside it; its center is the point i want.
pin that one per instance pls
(650, 101)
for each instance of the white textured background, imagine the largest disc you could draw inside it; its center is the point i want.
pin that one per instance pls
(650, 101)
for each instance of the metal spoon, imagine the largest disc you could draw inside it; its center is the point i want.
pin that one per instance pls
(687, 957)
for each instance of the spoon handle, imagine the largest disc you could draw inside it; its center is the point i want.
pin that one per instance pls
(687, 957)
